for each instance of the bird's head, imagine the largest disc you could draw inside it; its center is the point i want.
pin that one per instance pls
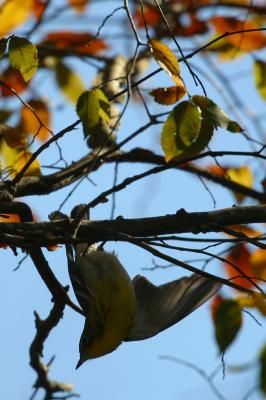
(96, 341)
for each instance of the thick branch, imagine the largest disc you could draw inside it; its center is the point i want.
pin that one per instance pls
(50, 183)
(45, 233)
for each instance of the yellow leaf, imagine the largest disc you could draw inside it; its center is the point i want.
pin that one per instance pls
(14, 13)
(256, 300)
(69, 82)
(258, 263)
(242, 175)
(8, 155)
(21, 159)
(250, 232)
(166, 59)
(31, 125)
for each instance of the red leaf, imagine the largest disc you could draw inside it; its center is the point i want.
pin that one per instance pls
(240, 257)
(151, 17)
(13, 78)
(83, 42)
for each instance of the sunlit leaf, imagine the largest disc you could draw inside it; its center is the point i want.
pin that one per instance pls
(228, 321)
(262, 378)
(180, 130)
(23, 56)
(14, 13)
(13, 136)
(216, 115)
(9, 218)
(245, 41)
(20, 161)
(30, 124)
(169, 95)
(242, 175)
(247, 230)
(226, 51)
(260, 77)
(240, 257)
(255, 300)
(258, 263)
(69, 82)
(78, 5)
(166, 59)
(93, 106)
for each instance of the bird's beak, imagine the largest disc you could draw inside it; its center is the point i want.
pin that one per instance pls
(79, 363)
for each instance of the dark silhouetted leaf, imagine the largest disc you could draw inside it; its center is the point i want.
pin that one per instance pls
(180, 130)
(216, 115)
(228, 321)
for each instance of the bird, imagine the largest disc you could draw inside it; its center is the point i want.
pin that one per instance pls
(118, 309)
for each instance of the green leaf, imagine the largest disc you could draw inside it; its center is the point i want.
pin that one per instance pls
(216, 115)
(228, 321)
(205, 135)
(3, 45)
(93, 107)
(104, 103)
(259, 71)
(180, 130)
(262, 360)
(69, 82)
(23, 56)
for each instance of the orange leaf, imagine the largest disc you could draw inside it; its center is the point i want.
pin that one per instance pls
(258, 263)
(39, 7)
(169, 95)
(244, 41)
(240, 257)
(52, 247)
(216, 170)
(13, 79)
(241, 175)
(82, 42)
(9, 218)
(194, 27)
(29, 122)
(78, 5)
(151, 17)
(250, 232)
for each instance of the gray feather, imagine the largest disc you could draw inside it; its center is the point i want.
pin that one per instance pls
(160, 307)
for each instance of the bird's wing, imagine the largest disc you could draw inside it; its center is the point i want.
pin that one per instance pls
(78, 276)
(160, 307)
